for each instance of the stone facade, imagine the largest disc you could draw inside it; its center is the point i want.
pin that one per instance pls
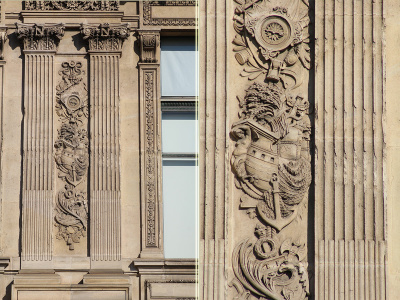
(298, 148)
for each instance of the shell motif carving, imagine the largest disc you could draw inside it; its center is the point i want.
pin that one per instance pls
(71, 154)
(271, 160)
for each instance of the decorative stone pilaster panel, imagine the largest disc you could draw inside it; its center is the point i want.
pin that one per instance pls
(271, 160)
(150, 144)
(105, 43)
(39, 47)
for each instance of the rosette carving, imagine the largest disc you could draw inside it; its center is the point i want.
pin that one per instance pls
(271, 160)
(71, 155)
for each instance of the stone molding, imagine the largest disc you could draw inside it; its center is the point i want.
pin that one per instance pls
(75, 5)
(149, 46)
(40, 37)
(105, 37)
(148, 20)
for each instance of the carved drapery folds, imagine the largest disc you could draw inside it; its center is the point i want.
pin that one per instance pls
(149, 45)
(271, 160)
(40, 36)
(71, 154)
(73, 5)
(105, 37)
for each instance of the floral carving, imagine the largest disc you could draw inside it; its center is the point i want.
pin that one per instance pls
(105, 37)
(40, 37)
(271, 160)
(71, 215)
(73, 5)
(71, 155)
(150, 163)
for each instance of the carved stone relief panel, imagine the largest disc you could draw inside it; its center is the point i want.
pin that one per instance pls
(73, 5)
(271, 160)
(71, 154)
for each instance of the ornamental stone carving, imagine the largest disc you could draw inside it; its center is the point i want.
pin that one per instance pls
(73, 5)
(149, 45)
(105, 37)
(271, 159)
(71, 154)
(40, 36)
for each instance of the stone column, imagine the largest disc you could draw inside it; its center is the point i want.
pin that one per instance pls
(3, 38)
(39, 47)
(350, 217)
(150, 145)
(105, 46)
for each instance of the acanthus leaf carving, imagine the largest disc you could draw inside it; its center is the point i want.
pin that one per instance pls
(271, 160)
(105, 37)
(40, 36)
(71, 155)
(73, 5)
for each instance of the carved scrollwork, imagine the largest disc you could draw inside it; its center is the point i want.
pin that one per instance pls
(73, 5)
(105, 37)
(40, 37)
(149, 44)
(71, 154)
(268, 267)
(271, 160)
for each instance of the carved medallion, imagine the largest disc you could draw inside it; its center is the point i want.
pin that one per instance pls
(71, 155)
(271, 159)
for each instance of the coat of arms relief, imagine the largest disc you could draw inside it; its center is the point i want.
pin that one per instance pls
(271, 160)
(72, 154)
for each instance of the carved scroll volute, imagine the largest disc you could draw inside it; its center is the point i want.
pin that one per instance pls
(72, 154)
(105, 37)
(149, 46)
(271, 160)
(40, 37)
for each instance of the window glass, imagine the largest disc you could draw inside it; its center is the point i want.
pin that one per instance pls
(179, 194)
(178, 66)
(179, 132)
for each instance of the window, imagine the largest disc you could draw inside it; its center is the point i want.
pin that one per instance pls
(179, 145)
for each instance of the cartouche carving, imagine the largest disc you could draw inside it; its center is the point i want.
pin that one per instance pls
(72, 155)
(40, 36)
(73, 5)
(105, 37)
(271, 159)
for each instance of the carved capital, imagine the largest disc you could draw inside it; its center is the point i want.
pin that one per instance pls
(149, 45)
(3, 39)
(40, 36)
(105, 37)
(74, 5)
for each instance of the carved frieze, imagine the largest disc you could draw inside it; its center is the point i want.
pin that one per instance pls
(149, 20)
(40, 36)
(271, 159)
(105, 37)
(149, 45)
(73, 5)
(71, 154)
